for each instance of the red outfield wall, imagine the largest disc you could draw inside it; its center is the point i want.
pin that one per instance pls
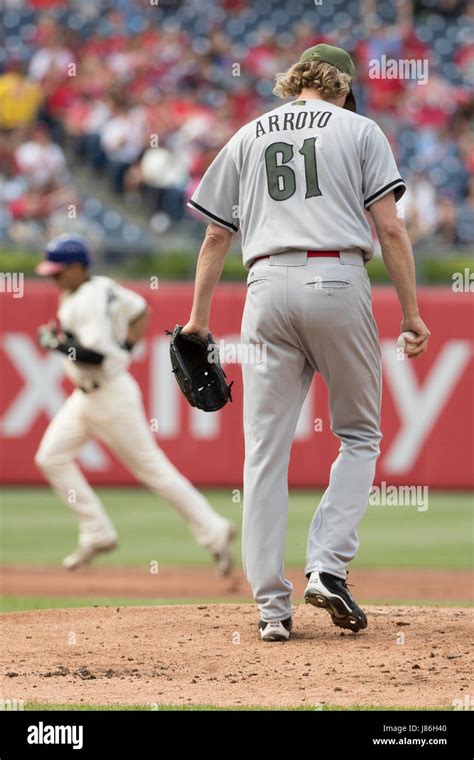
(427, 404)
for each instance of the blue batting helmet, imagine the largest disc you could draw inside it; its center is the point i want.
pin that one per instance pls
(62, 251)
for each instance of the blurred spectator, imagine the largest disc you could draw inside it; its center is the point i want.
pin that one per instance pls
(12, 183)
(53, 58)
(20, 98)
(39, 204)
(465, 220)
(432, 105)
(122, 140)
(40, 160)
(34, 183)
(384, 93)
(440, 158)
(261, 58)
(419, 207)
(446, 228)
(83, 123)
(162, 176)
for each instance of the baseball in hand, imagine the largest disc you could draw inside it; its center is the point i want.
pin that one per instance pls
(408, 348)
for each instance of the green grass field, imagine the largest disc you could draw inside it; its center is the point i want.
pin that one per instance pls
(37, 528)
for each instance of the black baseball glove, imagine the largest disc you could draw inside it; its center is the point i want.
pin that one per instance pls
(197, 369)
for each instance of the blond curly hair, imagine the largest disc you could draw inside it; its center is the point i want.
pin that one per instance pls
(317, 75)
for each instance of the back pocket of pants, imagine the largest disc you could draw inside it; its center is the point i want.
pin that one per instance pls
(327, 301)
(322, 284)
(257, 283)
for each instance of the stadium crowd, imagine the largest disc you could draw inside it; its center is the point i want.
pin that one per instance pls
(146, 94)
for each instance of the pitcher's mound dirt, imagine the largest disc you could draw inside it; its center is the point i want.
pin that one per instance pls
(211, 654)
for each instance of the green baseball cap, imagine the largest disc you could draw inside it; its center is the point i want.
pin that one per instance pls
(336, 57)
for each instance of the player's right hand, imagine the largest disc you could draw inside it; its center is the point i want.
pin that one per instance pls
(416, 325)
(196, 329)
(47, 337)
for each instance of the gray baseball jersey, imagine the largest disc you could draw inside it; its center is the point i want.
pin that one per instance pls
(299, 178)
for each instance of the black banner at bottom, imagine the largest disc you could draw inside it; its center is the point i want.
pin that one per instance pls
(366, 733)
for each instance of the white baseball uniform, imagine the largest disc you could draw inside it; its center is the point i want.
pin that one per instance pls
(297, 181)
(107, 405)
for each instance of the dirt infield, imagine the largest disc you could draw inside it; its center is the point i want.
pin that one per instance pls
(211, 654)
(382, 585)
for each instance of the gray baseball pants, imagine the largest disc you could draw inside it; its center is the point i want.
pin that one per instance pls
(306, 315)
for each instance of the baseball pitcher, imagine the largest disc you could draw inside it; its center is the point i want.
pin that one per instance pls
(99, 323)
(297, 182)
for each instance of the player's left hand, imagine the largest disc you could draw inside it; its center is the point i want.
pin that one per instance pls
(196, 329)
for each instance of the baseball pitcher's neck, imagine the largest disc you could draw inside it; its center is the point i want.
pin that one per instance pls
(307, 93)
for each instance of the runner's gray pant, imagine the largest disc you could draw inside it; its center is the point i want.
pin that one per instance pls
(309, 315)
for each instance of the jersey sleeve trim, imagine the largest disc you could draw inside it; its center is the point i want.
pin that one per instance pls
(398, 186)
(197, 207)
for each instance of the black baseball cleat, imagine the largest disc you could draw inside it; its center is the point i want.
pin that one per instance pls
(275, 630)
(331, 593)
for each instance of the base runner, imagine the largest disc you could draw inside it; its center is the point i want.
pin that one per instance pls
(99, 322)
